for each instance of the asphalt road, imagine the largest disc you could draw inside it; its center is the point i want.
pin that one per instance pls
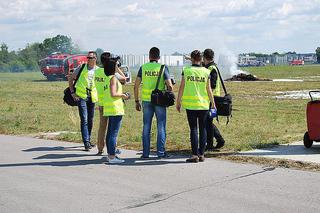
(51, 176)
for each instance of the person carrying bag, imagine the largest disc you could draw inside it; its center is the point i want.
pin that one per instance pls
(148, 76)
(67, 98)
(162, 98)
(223, 103)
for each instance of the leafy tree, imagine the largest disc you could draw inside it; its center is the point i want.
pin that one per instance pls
(318, 54)
(16, 66)
(59, 43)
(30, 55)
(27, 58)
(4, 53)
(4, 67)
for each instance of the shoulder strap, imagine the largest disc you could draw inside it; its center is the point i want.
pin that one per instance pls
(160, 73)
(221, 80)
(81, 68)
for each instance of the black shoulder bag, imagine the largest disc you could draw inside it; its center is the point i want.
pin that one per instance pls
(67, 98)
(223, 103)
(162, 98)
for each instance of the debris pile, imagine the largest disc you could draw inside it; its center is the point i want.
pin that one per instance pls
(246, 77)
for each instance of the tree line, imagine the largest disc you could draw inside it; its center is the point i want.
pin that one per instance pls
(27, 59)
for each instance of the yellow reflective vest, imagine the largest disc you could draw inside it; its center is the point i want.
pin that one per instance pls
(195, 95)
(217, 90)
(150, 73)
(82, 86)
(100, 82)
(112, 106)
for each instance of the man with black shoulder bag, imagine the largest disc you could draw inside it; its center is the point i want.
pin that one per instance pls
(85, 94)
(148, 75)
(215, 80)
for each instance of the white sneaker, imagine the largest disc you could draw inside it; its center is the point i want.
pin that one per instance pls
(115, 160)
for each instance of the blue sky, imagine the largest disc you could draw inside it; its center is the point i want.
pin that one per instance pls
(125, 26)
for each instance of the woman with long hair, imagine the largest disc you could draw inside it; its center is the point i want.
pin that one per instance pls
(113, 108)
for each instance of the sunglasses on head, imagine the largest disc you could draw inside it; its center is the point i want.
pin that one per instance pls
(91, 57)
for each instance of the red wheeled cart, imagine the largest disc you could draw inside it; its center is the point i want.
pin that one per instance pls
(313, 121)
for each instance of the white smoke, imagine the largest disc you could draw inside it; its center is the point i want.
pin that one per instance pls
(227, 64)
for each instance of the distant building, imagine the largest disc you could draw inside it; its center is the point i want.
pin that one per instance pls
(137, 60)
(246, 60)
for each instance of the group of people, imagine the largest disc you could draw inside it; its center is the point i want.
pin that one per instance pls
(90, 84)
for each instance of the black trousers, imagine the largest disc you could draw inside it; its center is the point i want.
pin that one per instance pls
(197, 118)
(212, 132)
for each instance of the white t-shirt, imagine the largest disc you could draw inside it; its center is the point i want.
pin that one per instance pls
(91, 75)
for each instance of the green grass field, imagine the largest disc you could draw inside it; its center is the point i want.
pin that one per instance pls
(31, 105)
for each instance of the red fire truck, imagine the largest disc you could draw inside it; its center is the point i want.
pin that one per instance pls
(58, 65)
(297, 62)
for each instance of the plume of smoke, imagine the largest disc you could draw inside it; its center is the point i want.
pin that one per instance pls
(227, 64)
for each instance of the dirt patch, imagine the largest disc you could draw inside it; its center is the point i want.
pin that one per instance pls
(268, 162)
(52, 135)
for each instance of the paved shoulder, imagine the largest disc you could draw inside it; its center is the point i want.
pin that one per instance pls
(52, 176)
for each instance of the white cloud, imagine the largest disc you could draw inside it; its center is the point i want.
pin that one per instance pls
(133, 25)
(132, 7)
(286, 9)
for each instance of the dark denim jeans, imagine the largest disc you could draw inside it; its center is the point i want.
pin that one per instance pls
(212, 132)
(112, 133)
(86, 113)
(161, 114)
(197, 118)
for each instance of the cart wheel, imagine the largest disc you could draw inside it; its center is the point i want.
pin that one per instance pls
(306, 140)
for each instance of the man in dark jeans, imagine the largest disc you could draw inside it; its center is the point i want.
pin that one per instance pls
(212, 130)
(86, 95)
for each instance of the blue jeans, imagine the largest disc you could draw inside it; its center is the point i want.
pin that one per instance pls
(86, 113)
(112, 133)
(161, 114)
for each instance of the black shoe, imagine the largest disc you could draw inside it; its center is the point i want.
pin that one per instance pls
(201, 159)
(209, 148)
(192, 160)
(144, 157)
(92, 145)
(87, 147)
(166, 155)
(220, 143)
(99, 153)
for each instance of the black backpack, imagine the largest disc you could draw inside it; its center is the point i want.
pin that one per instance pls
(67, 98)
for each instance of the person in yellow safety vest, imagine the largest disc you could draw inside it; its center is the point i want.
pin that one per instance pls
(113, 108)
(148, 76)
(212, 130)
(100, 78)
(195, 95)
(85, 93)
